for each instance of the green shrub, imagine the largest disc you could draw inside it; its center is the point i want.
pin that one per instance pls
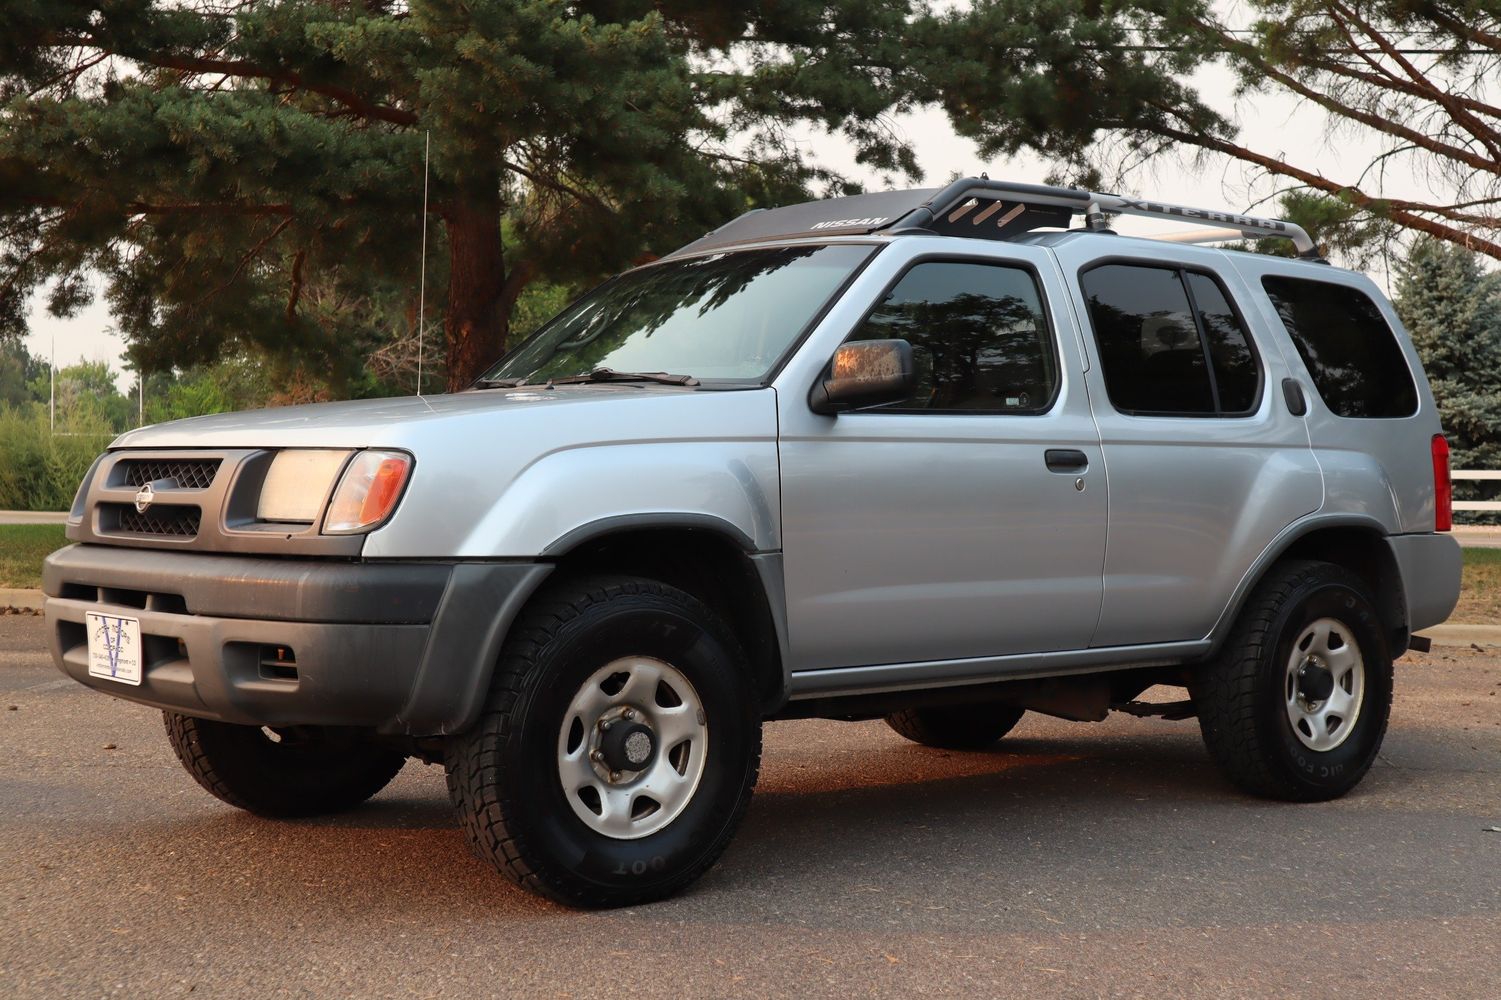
(39, 469)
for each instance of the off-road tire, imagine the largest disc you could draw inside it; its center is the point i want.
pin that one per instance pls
(956, 727)
(503, 774)
(305, 773)
(1240, 695)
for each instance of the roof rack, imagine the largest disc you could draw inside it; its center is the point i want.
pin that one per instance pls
(956, 202)
(981, 207)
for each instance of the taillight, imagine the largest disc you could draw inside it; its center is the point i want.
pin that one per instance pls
(1443, 489)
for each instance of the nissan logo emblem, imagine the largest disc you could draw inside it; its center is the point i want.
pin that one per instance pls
(144, 498)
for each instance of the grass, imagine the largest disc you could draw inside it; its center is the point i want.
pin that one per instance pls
(24, 546)
(22, 549)
(1480, 595)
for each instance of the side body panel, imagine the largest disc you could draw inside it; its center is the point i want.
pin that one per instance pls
(1194, 501)
(937, 536)
(1376, 466)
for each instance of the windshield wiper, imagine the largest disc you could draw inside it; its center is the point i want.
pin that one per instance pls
(500, 383)
(611, 375)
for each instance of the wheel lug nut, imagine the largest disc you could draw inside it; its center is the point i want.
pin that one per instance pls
(628, 714)
(614, 775)
(596, 755)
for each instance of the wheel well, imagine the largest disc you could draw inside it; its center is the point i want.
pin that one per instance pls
(1365, 553)
(706, 564)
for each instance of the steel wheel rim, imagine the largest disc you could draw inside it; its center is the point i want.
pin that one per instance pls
(1324, 723)
(643, 694)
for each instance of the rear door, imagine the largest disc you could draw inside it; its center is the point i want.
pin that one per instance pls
(1207, 462)
(969, 520)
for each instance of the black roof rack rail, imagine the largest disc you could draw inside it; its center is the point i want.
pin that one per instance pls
(965, 194)
(1008, 210)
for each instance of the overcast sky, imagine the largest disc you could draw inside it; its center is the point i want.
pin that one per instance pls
(1274, 125)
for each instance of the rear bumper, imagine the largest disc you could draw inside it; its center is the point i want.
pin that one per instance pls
(402, 647)
(1431, 565)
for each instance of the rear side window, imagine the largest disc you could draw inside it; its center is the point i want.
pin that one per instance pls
(980, 342)
(1347, 345)
(1170, 342)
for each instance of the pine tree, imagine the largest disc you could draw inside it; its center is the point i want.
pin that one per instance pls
(223, 166)
(1452, 308)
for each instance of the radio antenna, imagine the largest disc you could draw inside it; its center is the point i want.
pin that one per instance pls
(422, 273)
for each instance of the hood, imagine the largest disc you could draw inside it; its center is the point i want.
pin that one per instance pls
(391, 422)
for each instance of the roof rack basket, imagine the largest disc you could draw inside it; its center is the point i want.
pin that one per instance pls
(962, 196)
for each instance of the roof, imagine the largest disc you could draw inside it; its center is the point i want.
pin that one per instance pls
(856, 215)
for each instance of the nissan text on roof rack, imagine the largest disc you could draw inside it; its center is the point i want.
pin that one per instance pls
(933, 457)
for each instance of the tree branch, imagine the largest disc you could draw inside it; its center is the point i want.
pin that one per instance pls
(282, 76)
(1402, 212)
(1253, 57)
(1485, 134)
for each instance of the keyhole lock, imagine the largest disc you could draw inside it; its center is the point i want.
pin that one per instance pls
(1079, 484)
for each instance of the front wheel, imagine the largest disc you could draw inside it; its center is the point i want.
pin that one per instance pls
(1296, 705)
(618, 750)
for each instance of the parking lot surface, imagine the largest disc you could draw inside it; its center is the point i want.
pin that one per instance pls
(1074, 860)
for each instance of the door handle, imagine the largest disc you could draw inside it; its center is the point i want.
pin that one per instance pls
(1292, 393)
(1066, 460)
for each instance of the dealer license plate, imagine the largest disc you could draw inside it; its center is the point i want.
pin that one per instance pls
(114, 647)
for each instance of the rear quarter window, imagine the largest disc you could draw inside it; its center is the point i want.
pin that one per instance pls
(1348, 347)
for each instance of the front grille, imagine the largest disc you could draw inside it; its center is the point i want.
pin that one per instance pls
(170, 521)
(189, 474)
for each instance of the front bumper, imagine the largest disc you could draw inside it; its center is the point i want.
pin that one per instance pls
(405, 648)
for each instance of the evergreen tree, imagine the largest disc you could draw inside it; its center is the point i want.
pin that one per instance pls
(1107, 85)
(1452, 308)
(219, 162)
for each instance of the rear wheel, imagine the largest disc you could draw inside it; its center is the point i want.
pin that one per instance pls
(956, 727)
(297, 771)
(1296, 705)
(618, 750)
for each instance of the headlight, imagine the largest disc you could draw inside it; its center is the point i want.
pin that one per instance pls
(367, 492)
(296, 484)
(75, 513)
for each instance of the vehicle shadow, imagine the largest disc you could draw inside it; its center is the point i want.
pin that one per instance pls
(836, 831)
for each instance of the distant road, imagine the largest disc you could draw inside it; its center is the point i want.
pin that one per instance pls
(33, 516)
(1478, 536)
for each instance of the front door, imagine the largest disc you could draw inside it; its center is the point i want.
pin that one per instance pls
(968, 520)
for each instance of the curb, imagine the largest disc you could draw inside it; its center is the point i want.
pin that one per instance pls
(12, 601)
(1464, 635)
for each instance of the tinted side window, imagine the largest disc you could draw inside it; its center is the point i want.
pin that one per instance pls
(1348, 347)
(1235, 373)
(1149, 346)
(978, 334)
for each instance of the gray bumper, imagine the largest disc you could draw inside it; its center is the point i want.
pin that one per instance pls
(403, 647)
(1431, 566)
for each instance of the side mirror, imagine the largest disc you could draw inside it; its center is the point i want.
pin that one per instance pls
(865, 373)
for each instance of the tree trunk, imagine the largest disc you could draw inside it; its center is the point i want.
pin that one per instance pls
(477, 320)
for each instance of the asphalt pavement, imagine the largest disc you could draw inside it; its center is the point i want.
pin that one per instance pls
(1077, 860)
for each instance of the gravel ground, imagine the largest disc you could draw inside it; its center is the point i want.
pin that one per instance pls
(1078, 861)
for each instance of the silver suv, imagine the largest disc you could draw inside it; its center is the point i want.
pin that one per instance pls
(929, 456)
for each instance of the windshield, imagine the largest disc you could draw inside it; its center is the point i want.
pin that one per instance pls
(722, 316)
